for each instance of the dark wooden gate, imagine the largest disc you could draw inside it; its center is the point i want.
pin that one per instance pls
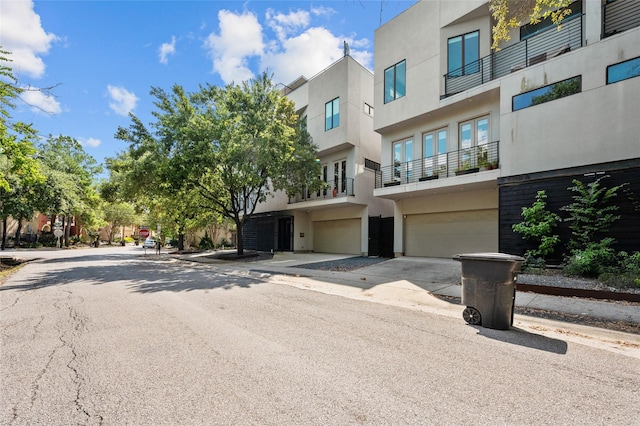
(380, 236)
(285, 233)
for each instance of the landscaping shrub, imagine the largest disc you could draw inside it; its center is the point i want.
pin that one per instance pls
(627, 274)
(538, 226)
(592, 261)
(205, 242)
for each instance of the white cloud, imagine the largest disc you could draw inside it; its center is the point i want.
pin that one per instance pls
(122, 101)
(40, 102)
(240, 38)
(91, 142)
(284, 25)
(22, 34)
(323, 11)
(167, 49)
(306, 54)
(295, 48)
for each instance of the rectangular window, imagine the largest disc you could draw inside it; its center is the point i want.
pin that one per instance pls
(463, 53)
(403, 160)
(435, 153)
(474, 140)
(340, 176)
(623, 70)
(529, 30)
(332, 114)
(371, 165)
(323, 177)
(395, 78)
(548, 93)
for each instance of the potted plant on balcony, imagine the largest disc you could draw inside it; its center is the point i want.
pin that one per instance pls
(395, 175)
(483, 158)
(429, 176)
(466, 167)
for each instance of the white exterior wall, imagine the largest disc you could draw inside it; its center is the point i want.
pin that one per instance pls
(598, 125)
(353, 140)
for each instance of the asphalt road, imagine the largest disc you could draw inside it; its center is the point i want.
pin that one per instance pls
(105, 337)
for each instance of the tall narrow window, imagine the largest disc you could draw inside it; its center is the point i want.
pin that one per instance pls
(474, 140)
(435, 153)
(323, 177)
(332, 114)
(403, 160)
(463, 54)
(343, 176)
(395, 81)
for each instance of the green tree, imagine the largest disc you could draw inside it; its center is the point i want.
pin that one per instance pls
(538, 225)
(508, 14)
(591, 214)
(221, 150)
(117, 215)
(151, 173)
(70, 188)
(19, 169)
(257, 146)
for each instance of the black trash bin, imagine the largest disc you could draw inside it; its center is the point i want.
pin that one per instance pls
(489, 288)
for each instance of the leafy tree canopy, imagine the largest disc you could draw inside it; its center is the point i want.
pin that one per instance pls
(222, 149)
(509, 14)
(16, 138)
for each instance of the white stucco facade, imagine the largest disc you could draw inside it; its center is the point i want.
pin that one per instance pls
(598, 124)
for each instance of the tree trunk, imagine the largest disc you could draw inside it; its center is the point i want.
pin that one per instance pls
(112, 227)
(4, 234)
(239, 243)
(16, 244)
(180, 241)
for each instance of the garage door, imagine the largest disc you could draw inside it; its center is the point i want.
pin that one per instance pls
(337, 236)
(446, 234)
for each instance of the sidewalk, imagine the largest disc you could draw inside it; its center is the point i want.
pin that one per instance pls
(411, 282)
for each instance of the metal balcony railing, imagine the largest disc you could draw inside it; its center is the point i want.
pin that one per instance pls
(335, 189)
(619, 16)
(538, 48)
(469, 160)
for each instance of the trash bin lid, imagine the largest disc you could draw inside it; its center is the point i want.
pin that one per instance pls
(496, 257)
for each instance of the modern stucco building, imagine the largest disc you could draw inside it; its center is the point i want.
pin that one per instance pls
(469, 135)
(337, 105)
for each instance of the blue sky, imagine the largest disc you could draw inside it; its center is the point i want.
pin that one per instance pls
(102, 57)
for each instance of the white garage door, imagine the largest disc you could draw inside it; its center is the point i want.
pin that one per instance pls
(446, 234)
(337, 236)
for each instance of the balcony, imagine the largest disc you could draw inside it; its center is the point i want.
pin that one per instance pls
(544, 45)
(619, 16)
(335, 189)
(455, 163)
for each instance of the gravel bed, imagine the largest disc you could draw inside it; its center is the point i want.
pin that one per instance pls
(343, 265)
(561, 281)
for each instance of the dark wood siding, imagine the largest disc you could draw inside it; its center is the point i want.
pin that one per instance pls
(520, 191)
(261, 232)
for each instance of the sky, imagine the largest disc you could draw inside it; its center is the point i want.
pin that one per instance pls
(98, 60)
